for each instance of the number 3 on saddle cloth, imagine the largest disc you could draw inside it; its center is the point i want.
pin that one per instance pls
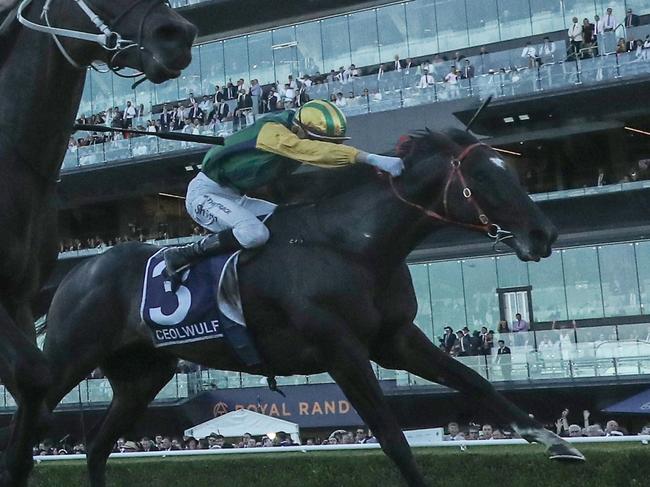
(206, 306)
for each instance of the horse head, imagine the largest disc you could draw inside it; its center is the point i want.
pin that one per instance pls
(146, 35)
(476, 189)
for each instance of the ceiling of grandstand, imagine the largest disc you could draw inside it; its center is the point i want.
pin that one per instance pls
(224, 18)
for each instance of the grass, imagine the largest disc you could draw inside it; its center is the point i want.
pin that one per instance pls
(611, 465)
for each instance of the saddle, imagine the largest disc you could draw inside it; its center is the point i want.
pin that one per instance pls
(206, 305)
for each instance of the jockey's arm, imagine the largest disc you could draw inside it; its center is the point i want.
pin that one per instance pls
(278, 139)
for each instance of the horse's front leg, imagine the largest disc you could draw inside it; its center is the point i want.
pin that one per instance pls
(409, 349)
(24, 371)
(346, 360)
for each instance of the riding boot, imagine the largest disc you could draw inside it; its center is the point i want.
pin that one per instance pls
(178, 259)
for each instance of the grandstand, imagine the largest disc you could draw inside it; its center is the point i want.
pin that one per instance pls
(573, 124)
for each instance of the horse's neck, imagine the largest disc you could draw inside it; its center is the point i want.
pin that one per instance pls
(371, 220)
(40, 95)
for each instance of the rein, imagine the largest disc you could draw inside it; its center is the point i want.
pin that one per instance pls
(491, 229)
(109, 39)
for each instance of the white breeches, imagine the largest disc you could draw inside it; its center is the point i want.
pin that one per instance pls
(218, 208)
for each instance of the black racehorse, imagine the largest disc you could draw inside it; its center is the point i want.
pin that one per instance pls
(331, 284)
(43, 60)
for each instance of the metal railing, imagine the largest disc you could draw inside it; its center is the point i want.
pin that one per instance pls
(568, 354)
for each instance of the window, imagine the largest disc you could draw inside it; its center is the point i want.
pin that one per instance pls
(236, 59)
(86, 104)
(167, 91)
(514, 19)
(420, 277)
(447, 295)
(546, 15)
(480, 283)
(451, 20)
(260, 57)
(101, 89)
(511, 271)
(619, 280)
(582, 278)
(212, 67)
(580, 9)
(642, 250)
(363, 38)
(391, 21)
(190, 79)
(547, 282)
(482, 21)
(285, 54)
(421, 20)
(310, 48)
(336, 43)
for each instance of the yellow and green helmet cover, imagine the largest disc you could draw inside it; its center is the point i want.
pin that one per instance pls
(322, 119)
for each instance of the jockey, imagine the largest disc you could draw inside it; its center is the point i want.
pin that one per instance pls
(271, 148)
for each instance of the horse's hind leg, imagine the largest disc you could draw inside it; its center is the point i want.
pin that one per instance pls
(409, 349)
(136, 376)
(24, 371)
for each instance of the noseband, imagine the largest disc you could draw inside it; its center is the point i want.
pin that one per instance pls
(491, 229)
(109, 39)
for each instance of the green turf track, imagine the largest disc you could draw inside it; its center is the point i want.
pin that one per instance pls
(612, 465)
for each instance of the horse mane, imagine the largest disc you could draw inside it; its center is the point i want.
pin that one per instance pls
(315, 184)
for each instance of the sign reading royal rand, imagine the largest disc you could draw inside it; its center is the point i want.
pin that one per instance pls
(310, 406)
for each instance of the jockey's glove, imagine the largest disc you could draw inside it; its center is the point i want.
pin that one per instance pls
(392, 165)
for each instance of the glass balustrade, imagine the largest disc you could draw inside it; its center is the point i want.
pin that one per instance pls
(555, 355)
(508, 76)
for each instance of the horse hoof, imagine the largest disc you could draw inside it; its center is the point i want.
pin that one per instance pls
(565, 453)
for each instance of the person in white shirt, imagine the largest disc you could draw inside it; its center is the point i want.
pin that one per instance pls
(451, 78)
(289, 96)
(529, 54)
(129, 114)
(426, 80)
(340, 101)
(609, 21)
(354, 72)
(547, 51)
(292, 83)
(425, 66)
(306, 80)
(575, 38)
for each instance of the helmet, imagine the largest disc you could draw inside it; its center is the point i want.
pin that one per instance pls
(322, 120)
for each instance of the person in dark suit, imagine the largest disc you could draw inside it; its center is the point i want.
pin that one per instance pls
(230, 92)
(272, 103)
(504, 359)
(448, 340)
(222, 111)
(195, 112)
(218, 94)
(166, 119)
(463, 347)
(631, 20)
(468, 70)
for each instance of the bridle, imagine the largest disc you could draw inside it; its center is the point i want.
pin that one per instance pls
(109, 39)
(491, 229)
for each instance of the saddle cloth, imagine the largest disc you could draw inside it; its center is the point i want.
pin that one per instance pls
(206, 301)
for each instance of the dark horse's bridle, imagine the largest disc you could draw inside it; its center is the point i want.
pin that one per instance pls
(491, 229)
(109, 39)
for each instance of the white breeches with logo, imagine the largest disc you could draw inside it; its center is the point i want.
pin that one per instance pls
(217, 208)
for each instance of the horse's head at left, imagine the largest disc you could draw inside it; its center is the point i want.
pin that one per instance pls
(487, 193)
(146, 35)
